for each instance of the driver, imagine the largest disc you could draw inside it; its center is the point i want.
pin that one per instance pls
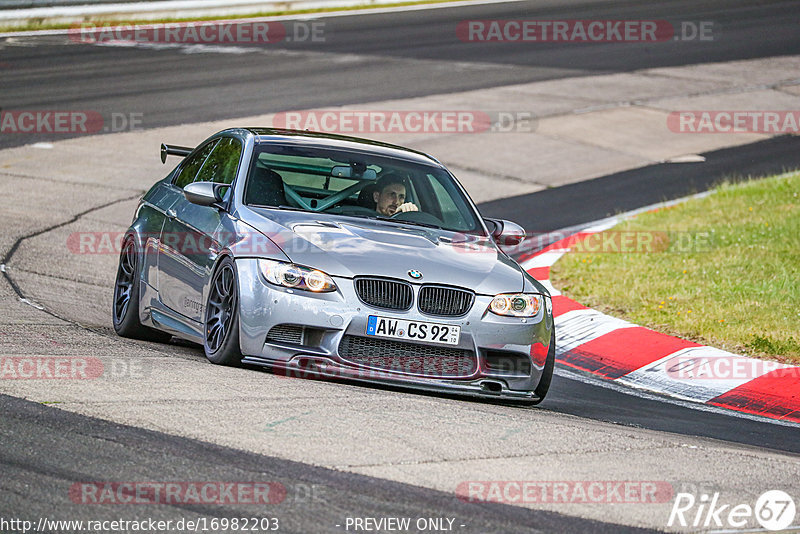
(390, 196)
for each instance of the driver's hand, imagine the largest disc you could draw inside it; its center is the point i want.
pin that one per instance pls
(408, 206)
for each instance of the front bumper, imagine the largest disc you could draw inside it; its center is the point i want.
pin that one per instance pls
(331, 316)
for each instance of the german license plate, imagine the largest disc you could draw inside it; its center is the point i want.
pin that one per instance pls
(445, 334)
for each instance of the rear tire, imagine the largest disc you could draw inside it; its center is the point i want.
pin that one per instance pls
(221, 325)
(125, 310)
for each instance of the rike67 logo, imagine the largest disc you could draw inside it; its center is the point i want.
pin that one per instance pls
(773, 510)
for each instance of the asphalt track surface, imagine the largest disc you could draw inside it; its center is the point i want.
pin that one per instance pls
(592, 200)
(317, 499)
(44, 449)
(367, 58)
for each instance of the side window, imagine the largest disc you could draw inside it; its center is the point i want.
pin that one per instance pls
(451, 214)
(221, 165)
(193, 164)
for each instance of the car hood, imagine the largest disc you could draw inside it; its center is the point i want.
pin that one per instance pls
(349, 247)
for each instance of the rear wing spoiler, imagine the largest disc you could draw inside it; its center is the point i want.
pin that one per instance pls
(173, 150)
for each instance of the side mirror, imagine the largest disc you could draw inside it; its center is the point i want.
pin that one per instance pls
(203, 193)
(505, 233)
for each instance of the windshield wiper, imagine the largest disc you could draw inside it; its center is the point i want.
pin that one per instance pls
(281, 207)
(382, 218)
(403, 221)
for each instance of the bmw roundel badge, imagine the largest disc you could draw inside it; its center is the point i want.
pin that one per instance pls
(415, 274)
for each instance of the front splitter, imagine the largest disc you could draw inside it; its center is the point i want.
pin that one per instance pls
(323, 368)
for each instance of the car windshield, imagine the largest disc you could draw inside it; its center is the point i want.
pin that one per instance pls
(357, 184)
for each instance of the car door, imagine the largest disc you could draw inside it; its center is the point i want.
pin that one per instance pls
(153, 214)
(188, 245)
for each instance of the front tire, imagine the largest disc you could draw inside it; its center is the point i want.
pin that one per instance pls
(125, 312)
(221, 325)
(547, 374)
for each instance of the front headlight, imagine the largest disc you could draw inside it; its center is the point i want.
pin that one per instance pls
(296, 276)
(516, 304)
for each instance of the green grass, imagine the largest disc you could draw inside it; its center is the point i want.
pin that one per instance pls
(102, 20)
(724, 270)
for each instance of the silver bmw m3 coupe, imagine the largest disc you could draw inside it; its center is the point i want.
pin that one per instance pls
(334, 257)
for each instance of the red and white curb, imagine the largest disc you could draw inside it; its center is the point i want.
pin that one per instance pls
(625, 353)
